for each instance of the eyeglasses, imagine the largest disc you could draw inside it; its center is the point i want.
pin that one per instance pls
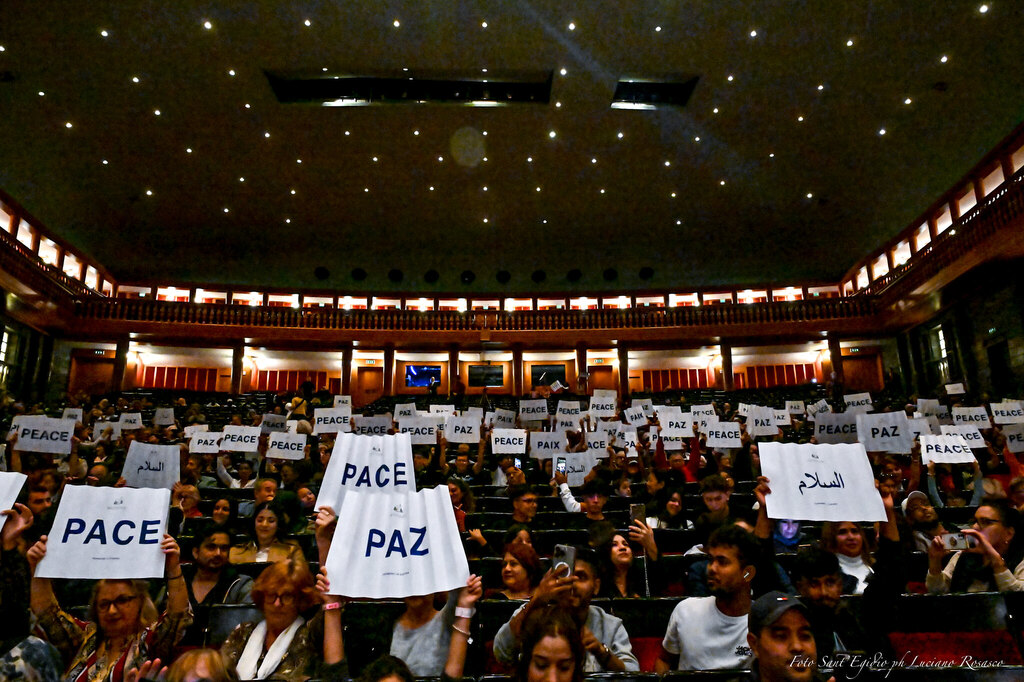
(118, 602)
(286, 598)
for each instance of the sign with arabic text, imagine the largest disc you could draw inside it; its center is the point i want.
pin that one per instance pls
(151, 466)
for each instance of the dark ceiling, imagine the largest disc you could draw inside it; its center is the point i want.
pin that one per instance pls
(692, 194)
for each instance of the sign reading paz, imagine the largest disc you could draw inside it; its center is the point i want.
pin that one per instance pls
(820, 482)
(395, 545)
(462, 429)
(886, 432)
(204, 441)
(151, 466)
(104, 532)
(286, 446)
(761, 421)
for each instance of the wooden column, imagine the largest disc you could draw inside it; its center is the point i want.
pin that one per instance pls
(453, 368)
(582, 385)
(120, 362)
(518, 388)
(346, 369)
(389, 369)
(623, 371)
(237, 355)
(725, 349)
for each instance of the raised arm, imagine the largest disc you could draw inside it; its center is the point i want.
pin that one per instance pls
(177, 592)
(464, 611)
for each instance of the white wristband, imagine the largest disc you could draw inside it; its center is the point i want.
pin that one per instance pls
(463, 612)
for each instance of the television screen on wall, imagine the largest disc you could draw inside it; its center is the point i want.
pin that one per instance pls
(545, 375)
(420, 375)
(486, 375)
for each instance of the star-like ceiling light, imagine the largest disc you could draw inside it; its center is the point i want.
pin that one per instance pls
(572, 26)
(943, 59)
(396, 23)
(307, 23)
(104, 33)
(849, 43)
(983, 9)
(563, 71)
(207, 25)
(881, 131)
(753, 33)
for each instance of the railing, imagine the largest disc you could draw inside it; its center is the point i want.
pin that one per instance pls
(135, 310)
(21, 262)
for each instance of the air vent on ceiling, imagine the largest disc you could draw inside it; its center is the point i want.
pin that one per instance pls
(650, 93)
(482, 90)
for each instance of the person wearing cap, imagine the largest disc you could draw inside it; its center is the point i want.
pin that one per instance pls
(594, 496)
(922, 518)
(779, 634)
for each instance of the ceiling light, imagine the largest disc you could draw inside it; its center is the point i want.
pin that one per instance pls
(563, 71)
(241, 179)
(440, 159)
(810, 195)
(538, 189)
(415, 132)
(908, 101)
(821, 86)
(149, 192)
(483, 24)
(772, 155)
(105, 162)
(288, 221)
(41, 93)
(572, 26)
(104, 33)
(68, 124)
(552, 134)
(156, 112)
(188, 150)
(715, 110)
(231, 72)
(673, 195)
(545, 221)
(266, 134)
(881, 131)
(366, 189)
(307, 22)
(983, 9)
(484, 133)
(324, 69)
(485, 188)
(944, 59)
(346, 133)
(207, 25)
(227, 210)
(529, 159)
(396, 23)
(668, 163)
(800, 119)
(602, 191)
(657, 29)
(485, 220)
(696, 138)
(593, 160)
(558, 105)
(248, 106)
(292, 191)
(619, 135)
(849, 43)
(298, 160)
(721, 182)
(729, 78)
(753, 34)
(135, 79)
(375, 159)
(679, 222)
(431, 188)
(2, 48)
(484, 159)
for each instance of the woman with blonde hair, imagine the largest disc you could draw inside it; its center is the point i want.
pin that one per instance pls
(846, 540)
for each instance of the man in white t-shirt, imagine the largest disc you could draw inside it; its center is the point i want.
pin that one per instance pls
(710, 633)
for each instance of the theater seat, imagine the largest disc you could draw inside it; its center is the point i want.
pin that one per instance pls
(646, 650)
(955, 647)
(226, 617)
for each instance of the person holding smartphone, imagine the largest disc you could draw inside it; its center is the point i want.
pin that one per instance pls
(986, 567)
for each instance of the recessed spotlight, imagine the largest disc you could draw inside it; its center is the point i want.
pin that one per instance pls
(104, 33)
(908, 101)
(944, 59)
(484, 133)
(207, 25)
(375, 159)
(484, 188)
(619, 135)
(679, 222)
(483, 24)
(715, 110)
(41, 93)
(558, 105)
(810, 195)
(730, 78)
(602, 190)
(291, 191)
(324, 69)
(668, 163)
(440, 159)
(563, 72)
(188, 150)
(538, 189)
(673, 195)
(983, 9)
(593, 160)
(431, 188)
(135, 79)
(105, 162)
(227, 210)
(266, 134)
(800, 119)
(149, 192)
(485, 220)
(696, 138)
(415, 132)
(771, 155)
(572, 26)
(657, 29)
(881, 131)
(156, 112)
(545, 221)
(529, 159)
(821, 86)
(346, 133)
(366, 189)
(484, 159)
(248, 106)
(849, 43)
(2, 48)
(396, 23)
(288, 221)
(68, 124)
(298, 160)
(241, 179)
(231, 72)
(721, 182)
(307, 22)
(753, 34)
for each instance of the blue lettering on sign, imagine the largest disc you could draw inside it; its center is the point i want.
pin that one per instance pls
(148, 534)
(396, 544)
(74, 527)
(363, 477)
(98, 532)
(151, 527)
(375, 540)
(118, 526)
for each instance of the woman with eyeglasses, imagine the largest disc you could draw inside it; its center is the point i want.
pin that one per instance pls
(994, 564)
(124, 629)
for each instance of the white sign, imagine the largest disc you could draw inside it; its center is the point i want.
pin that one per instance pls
(930, 406)
(919, 427)
(205, 441)
(545, 443)
(971, 434)
(10, 486)
(37, 433)
(603, 403)
(274, 423)
(1008, 412)
(240, 439)
(504, 419)
(475, 412)
(287, 445)
(332, 420)
(443, 410)
(674, 439)
(820, 482)
(743, 409)
(625, 437)
(577, 466)
(885, 432)
(708, 410)
(196, 428)
(462, 429)
(533, 410)
(71, 413)
(971, 416)
(405, 410)
(343, 401)
(421, 430)
(151, 466)
(955, 389)
(782, 418)
(724, 435)
(950, 449)
(795, 406)
(568, 408)
(371, 426)
(820, 407)
(508, 441)
(597, 441)
(395, 545)
(164, 416)
(635, 416)
(1014, 437)
(131, 421)
(645, 404)
(761, 421)
(683, 420)
(836, 428)
(858, 402)
(377, 464)
(104, 532)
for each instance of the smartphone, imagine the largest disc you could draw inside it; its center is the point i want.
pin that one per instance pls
(560, 465)
(638, 512)
(564, 555)
(958, 541)
(518, 463)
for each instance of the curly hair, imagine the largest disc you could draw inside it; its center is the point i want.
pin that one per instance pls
(290, 575)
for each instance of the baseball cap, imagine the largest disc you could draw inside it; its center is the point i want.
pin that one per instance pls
(914, 495)
(769, 607)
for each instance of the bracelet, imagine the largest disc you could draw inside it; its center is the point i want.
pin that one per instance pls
(456, 628)
(463, 612)
(332, 606)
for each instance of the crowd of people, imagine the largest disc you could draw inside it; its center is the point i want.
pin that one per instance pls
(758, 593)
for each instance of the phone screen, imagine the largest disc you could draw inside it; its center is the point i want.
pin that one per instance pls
(560, 465)
(518, 463)
(637, 512)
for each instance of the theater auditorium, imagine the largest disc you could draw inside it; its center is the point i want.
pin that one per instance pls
(600, 270)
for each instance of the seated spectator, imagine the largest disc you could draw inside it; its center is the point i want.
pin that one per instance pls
(779, 635)
(245, 478)
(462, 501)
(186, 498)
(520, 572)
(786, 536)
(604, 637)
(714, 492)
(593, 494)
(265, 490)
(710, 633)
(923, 520)
(125, 628)
(422, 635)
(192, 473)
(846, 540)
(671, 515)
(985, 567)
(623, 576)
(267, 543)
(211, 580)
(225, 514)
(952, 492)
(470, 472)
(524, 507)
(820, 584)
(552, 649)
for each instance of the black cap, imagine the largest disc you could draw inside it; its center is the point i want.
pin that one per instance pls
(769, 607)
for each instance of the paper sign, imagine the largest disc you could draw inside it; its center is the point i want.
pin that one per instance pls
(645, 404)
(205, 441)
(919, 427)
(475, 412)
(240, 439)
(1008, 412)
(820, 407)
(682, 421)
(577, 466)
(836, 428)
(405, 410)
(795, 406)
(10, 486)
(164, 416)
(625, 437)
(532, 410)
(820, 482)
(395, 545)
(930, 406)
(371, 426)
(333, 420)
(724, 435)
(603, 403)
(971, 434)
(1014, 437)
(377, 464)
(674, 440)
(948, 449)
(98, 428)
(131, 421)
(343, 401)
(708, 410)
(104, 532)
(597, 442)
(743, 410)
(971, 416)
(508, 441)
(421, 430)
(504, 419)
(444, 410)
(462, 429)
(71, 413)
(545, 443)
(635, 416)
(274, 423)
(37, 433)
(568, 408)
(782, 418)
(196, 428)
(705, 422)
(151, 466)
(761, 421)
(955, 389)
(885, 432)
(287, 445)
(858, 402)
